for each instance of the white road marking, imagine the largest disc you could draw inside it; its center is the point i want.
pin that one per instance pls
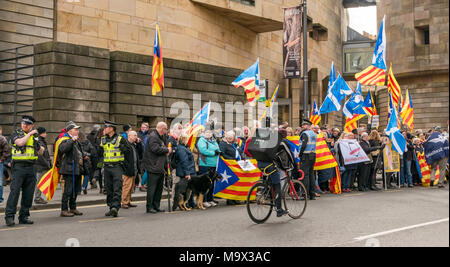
(360, 238)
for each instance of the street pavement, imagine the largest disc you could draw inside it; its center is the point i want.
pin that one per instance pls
(401, 217)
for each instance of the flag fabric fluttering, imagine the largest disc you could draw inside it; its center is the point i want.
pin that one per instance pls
(407, 112)
(236, 181)
(394, 88)
(393, 131)
(369, 105)
(249, 80)
(352, 123)
(158, 66)
(375, 74)
(197, 124)
(315, 117)
(49, 181)
(355, 104)
(335, 95)
(324, 158)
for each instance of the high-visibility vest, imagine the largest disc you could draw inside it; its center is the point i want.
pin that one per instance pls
(28, 153)
(111, 151)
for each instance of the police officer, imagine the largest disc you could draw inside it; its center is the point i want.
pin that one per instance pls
(308, 157)
(25, 151)
(113, 147)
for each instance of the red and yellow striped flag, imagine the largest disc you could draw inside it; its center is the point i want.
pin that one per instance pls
(335, 183)
(407, 112)
(351, 123)
(49, 181)
(394, 87)
(158, 67)
(324, 158)
(371, 76)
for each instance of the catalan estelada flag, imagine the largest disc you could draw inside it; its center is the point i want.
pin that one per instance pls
(249, 79)
(335, 183)
(324, 158)
(237, 179)
(197, 124)
(158, 67)
(369, 105)
(375, 74)
(352, 123)
(48, 183)
(315, 117)
(394, 87)
(294, 145)
(407, 112)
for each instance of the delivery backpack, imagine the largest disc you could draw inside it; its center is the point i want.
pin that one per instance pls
(264, 144)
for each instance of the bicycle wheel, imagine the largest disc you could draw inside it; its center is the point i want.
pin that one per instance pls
(259, 202)
(295, 198)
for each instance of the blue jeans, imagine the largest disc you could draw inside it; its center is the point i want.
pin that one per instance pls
(406, 172)
(85, 181)
(1, 182)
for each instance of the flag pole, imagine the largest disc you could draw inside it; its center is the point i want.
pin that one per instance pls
(305, 61)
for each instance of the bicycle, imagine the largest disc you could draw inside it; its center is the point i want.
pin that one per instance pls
(261, 197)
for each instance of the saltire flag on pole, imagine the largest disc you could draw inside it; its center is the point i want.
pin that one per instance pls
(249, 79)
(394, 87)
(294, 145)
(335, 95)
(324, 158)
(355, 104)
(332, 77)
(49, 181)
(315, 117)
(375, 74)
(369, 105)
(407, 112)
(352, 123)
(237, 179)
(158, 67)
(335, 183)
(393, 131)
(197, 124)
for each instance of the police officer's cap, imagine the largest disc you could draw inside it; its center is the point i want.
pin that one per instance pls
(308, 122)
(28, 119)
(110, 124)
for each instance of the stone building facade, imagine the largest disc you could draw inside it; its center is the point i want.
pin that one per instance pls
(418, 47)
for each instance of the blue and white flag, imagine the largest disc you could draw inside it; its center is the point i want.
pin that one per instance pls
(335, 95)
(397, 138)
(355, 105)
(332, 78)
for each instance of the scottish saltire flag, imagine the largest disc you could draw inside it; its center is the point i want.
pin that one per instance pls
(407, 112)
(237, 179)
(335, 95)
(355, 104)
(375, 74)
(324, 158)
(197, 124)
(295, 146)
(315, 117)
(249, 79)
(369, 105)
(332, 77)
(393, 131)
(158, 67)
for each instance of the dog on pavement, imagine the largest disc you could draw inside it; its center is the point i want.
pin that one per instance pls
(198, 185)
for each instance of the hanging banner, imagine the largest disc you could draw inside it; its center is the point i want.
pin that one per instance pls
(352, 152)
(391, 159)
(292, 29)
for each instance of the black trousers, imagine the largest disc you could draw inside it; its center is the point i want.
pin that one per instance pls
(23, 179)
(113, 186)
(307, 166)
(373, 172)
(363, 177)
(69, 197)
(154, 190)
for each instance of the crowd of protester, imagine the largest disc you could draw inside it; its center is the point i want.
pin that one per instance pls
(147, 152)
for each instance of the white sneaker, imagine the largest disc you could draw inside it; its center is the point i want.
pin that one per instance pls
(212, 203)
(206, 205)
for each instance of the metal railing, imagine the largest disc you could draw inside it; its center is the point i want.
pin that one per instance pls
(16, 84)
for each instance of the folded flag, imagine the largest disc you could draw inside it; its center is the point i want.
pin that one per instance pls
(158, 67)
(49, 181)
(324, 158)
(237, 179)
(335, 183)
(375, 74)
(249, 79)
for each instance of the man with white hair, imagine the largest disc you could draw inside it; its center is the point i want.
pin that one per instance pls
(131, 168)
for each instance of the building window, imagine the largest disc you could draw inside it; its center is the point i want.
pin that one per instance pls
(246, 2)
(423, 35)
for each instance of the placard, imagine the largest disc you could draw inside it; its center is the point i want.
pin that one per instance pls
(391, 159)
(352, 152)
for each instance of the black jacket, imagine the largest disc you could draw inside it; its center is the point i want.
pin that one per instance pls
(228, 150)
(131, 160)
(70, 158)
(410, 153)
(44, 162)
(155, 154)
(368, 149)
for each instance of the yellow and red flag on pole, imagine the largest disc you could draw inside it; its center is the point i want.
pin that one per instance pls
(324, 158)
(351, 123)
(48, 183)
(335, 183)
(394, 87)
(158, 67)
(407, 112)
(315, 117)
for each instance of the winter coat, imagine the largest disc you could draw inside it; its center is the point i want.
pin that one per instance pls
(70, 158)
(131, 160)
(228, 150)
(185, 161)
(209, 151)
(155, 155)
(44, 162)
